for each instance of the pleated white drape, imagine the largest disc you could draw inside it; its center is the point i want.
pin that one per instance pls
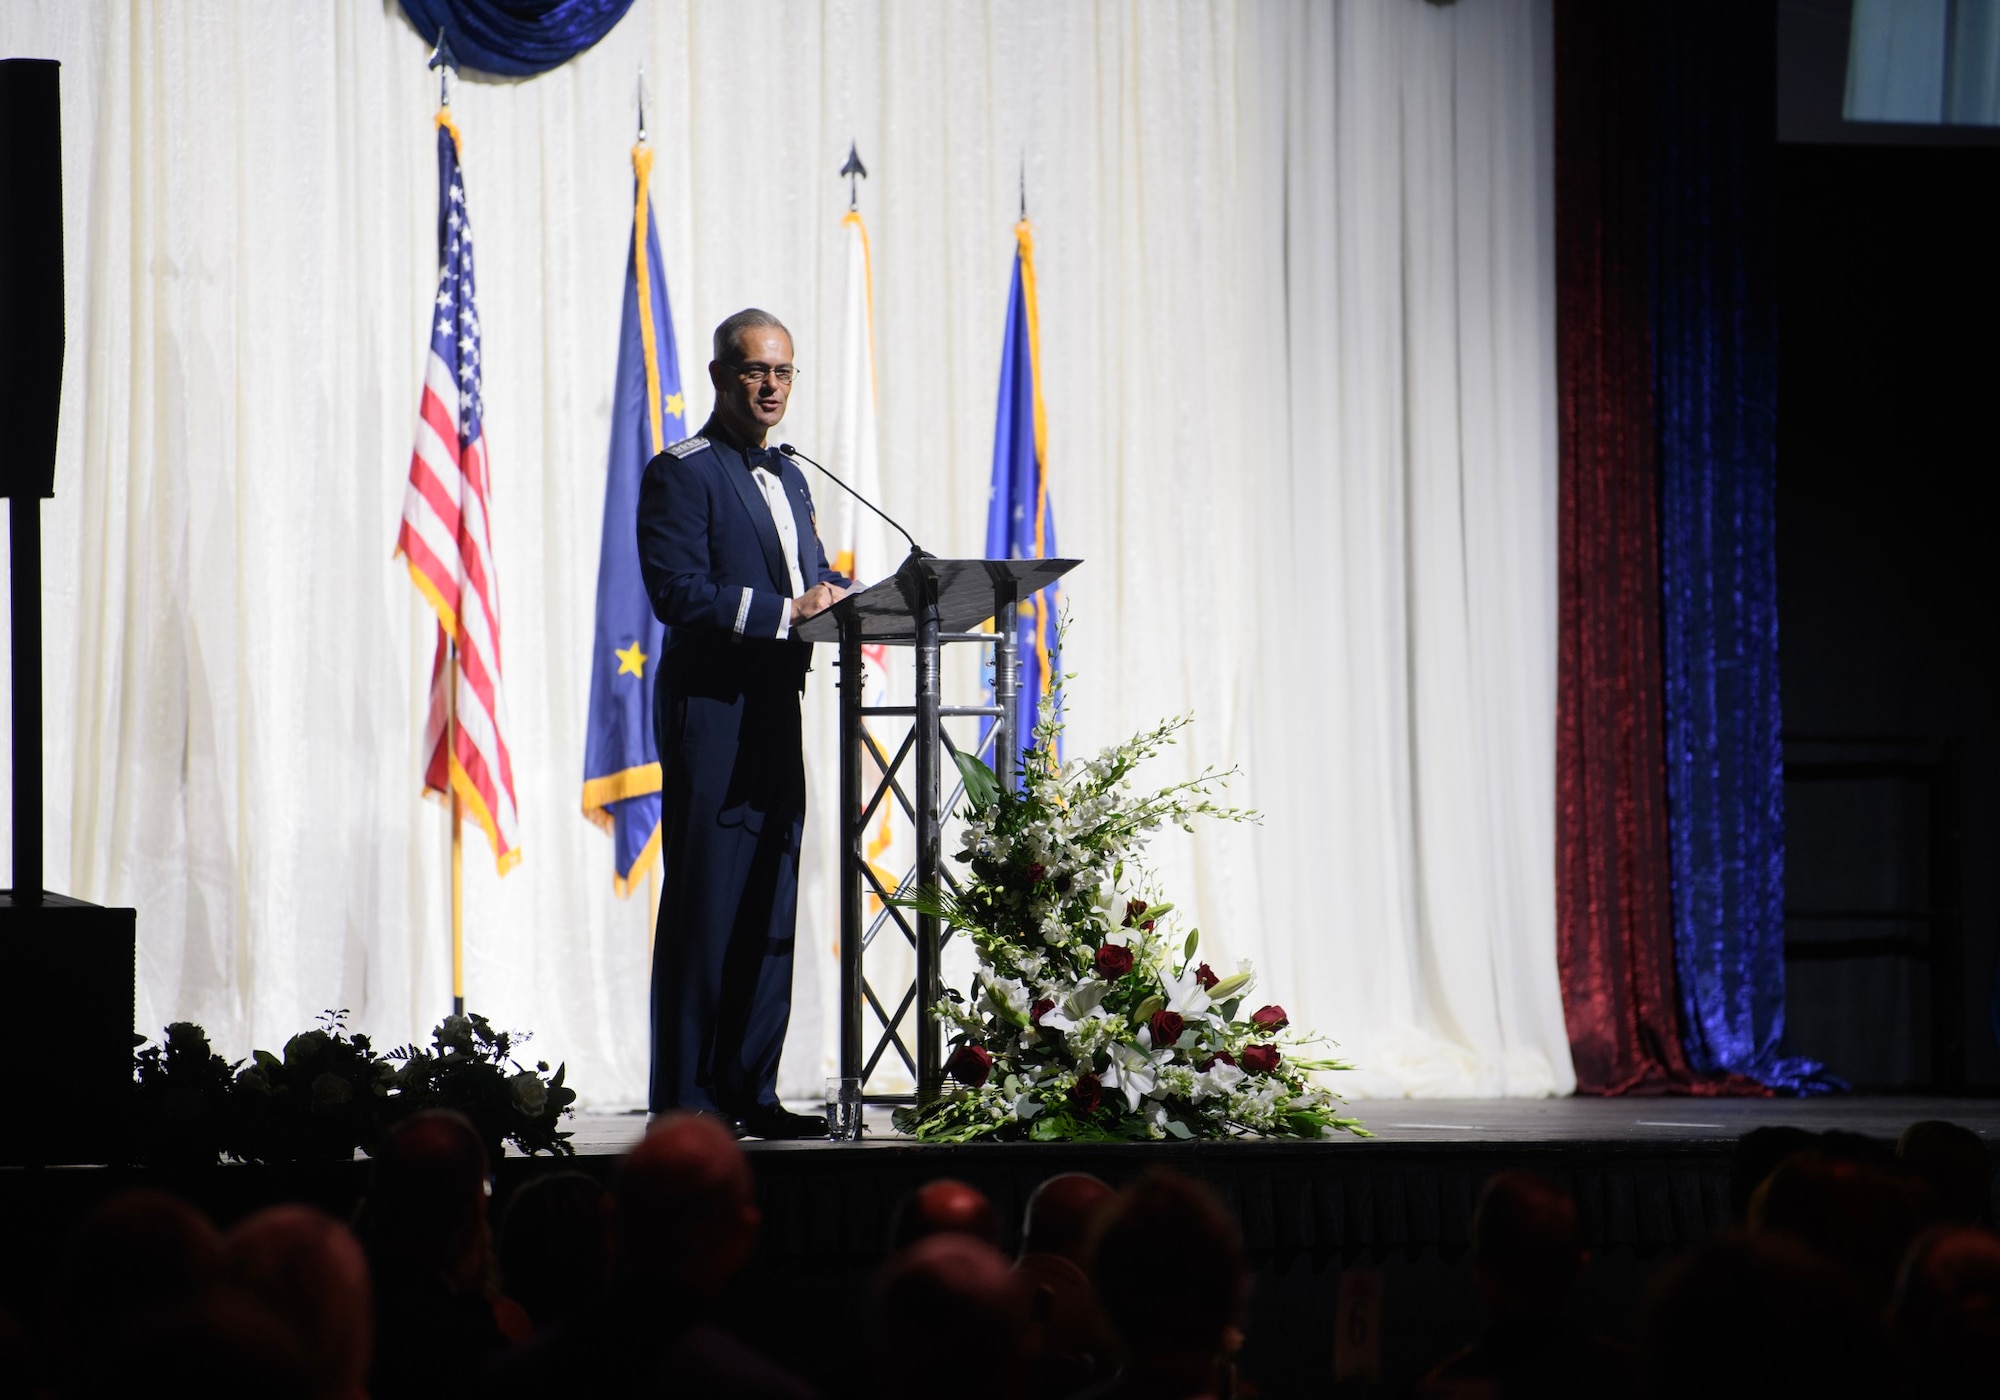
(1297, 319)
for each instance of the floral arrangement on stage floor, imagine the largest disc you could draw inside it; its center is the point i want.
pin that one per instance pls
(330, 1093)
(1090, 1017)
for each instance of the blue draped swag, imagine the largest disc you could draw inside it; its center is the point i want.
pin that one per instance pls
(516, 38)
(1715, 380)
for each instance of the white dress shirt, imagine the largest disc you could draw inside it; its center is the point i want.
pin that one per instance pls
(773, 488)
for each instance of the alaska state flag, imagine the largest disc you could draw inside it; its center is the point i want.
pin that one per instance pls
(1020, 518)
(621, 767)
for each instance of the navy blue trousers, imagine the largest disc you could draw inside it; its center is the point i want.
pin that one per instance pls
(733, 806)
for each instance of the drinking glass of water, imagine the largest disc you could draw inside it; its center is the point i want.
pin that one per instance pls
(843, 1109)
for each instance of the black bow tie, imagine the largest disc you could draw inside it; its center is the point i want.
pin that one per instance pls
(766, 457)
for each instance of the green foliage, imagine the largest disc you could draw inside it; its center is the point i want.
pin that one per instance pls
(467, 1068)
(329, 1093)
(323, 1096)
(981, 787)
(180, 1111)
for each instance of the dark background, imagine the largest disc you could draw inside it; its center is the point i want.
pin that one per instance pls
(1889, 310)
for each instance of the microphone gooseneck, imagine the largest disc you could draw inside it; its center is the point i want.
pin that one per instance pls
(791, 451)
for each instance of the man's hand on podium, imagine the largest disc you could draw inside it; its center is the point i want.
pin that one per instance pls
(816, 599)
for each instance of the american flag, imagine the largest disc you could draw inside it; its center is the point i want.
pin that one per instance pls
(446, 540)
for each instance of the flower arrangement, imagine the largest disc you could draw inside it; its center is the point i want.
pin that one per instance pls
(1089, 1016)
(329, 1093)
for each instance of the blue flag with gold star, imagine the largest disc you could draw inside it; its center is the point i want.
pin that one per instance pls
(621, 766)
(1020, 519)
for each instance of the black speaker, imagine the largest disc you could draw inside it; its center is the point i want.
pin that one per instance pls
(66, 1013)
(31, 273)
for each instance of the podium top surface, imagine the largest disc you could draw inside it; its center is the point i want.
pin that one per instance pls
(966, 592)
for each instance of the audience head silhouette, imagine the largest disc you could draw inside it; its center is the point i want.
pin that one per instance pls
(929, 1298)
(1947, 1308)
(138, 1252)
(1754, 1316)
(685, 1211)
(142, 1298)
(1860, 1216)
(945, 1206)
(427, 1199)
(1164, 1226)
(1756, 1155)
(1952, 1161)
(1525, 1248)
(1067, 1344)
(1062, 1215)
(307, 1269)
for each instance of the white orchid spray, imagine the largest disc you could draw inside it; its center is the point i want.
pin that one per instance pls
(1090, 1016)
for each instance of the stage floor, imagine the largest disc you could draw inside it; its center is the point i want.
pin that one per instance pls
(1660, 1121)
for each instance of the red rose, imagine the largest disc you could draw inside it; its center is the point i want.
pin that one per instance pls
(1036, 1011)
(1133, 909)
(1037, 870)
(1113, 962)
(1220, 1057)
(970, 1065)
(1086, 1093)
(1261, 1059)
(1270, 1018)
(1206, 976)
(1167, 1027)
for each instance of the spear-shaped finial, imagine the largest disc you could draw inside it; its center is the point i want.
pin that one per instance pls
(642, 103)
(1024, 187)
(853, 170)
(446, 62)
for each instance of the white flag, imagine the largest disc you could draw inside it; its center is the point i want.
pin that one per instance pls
(862, 546)
(868, 552)
(860, 538)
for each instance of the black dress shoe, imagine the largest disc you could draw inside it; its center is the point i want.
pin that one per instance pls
(770, 1120)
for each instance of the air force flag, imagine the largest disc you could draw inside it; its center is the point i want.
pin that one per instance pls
(621, 767)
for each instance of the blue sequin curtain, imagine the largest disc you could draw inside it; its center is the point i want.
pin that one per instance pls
(1715, 367)
(516, 38)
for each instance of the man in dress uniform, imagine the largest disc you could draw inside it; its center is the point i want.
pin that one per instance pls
(732, 561)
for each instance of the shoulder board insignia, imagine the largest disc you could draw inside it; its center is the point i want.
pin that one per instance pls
(690, 445)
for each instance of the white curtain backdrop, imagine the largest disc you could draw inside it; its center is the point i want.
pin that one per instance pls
(1297, 315)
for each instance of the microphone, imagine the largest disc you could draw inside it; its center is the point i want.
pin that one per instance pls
(791, 451)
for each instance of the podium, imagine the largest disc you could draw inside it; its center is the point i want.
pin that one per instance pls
(926, 605)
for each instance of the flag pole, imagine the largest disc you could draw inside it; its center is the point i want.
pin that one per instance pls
(653, 416)
(446, 63)
(457, 840)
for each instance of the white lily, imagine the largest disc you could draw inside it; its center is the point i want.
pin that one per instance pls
(1077, 1006)
(1104, 901)
(1009, 999)
(1132, 1073)
(1187, 996)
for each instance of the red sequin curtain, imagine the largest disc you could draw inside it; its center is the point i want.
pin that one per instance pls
(1614, 925)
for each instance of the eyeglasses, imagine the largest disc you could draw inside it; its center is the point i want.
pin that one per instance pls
(757, 374)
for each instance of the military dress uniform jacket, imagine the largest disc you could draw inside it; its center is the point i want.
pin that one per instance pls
(714, 569)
